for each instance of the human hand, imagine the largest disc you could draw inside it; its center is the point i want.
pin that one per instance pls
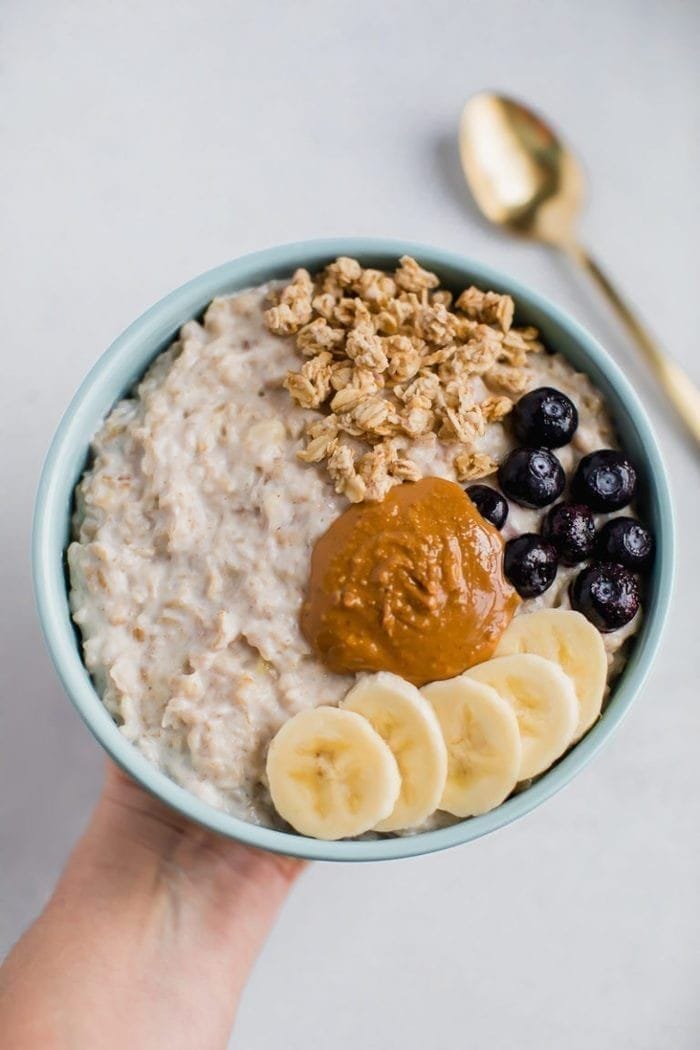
(149, 936)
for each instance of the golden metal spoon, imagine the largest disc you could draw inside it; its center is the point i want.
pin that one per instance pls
(524, 178)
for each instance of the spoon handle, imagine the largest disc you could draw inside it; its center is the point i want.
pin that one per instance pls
(679, 387)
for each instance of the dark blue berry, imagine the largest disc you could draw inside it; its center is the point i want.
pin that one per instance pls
(490, 504)
(605, 480)
(545, 417)
(532, 477)
(530, 563)
(626, 541)
(607, 594)
(570, 527)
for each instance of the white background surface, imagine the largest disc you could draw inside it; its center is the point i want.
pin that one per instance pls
(144, 142)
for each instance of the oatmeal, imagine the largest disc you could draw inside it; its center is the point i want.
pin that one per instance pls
(246, 439)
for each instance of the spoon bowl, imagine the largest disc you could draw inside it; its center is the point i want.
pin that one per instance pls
(521, 175)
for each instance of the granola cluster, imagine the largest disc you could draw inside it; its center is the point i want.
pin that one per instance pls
(391, 359)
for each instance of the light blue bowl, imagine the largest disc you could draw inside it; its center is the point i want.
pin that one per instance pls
(125, 361)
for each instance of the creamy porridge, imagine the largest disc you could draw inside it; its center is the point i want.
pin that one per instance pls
(193, 533)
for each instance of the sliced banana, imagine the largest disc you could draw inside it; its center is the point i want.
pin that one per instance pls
(567, 638)
(484, 752)
(331, 776)
(544, 701)
(407, 723)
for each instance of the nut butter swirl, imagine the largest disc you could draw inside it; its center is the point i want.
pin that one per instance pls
(413, 584)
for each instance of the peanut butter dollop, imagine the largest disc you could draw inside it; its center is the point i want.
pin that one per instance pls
(413, 584)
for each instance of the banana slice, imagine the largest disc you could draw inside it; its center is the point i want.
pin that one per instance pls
(483, 745)
(331, 776)
(407, 723)
(567, 638)
(544, 701)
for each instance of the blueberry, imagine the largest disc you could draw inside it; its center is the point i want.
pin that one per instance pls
(605, 480)
(626, 541)
(570, 527)
(545, 417)
(489, 503)
(532, 477)
(607, 594)
(530, 563)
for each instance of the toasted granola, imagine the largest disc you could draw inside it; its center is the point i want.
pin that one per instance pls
(471, 466)
(391, 358)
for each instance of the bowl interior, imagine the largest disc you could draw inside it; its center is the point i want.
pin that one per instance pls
(124, 363)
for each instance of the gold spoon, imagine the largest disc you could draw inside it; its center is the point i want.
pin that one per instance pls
(524, 178)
